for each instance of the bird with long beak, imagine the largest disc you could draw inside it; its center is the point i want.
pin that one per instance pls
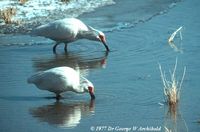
(62, 79)
(69, 30)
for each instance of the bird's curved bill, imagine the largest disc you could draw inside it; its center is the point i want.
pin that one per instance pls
(91, 92)
(103, 40)
(92, 95)
(106, 46)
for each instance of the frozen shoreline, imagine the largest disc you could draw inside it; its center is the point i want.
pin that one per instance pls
(35, 12)
(42, 8)
(93, 13)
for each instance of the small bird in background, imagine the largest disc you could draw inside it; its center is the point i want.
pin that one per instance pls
(69, 30)
(62, 79)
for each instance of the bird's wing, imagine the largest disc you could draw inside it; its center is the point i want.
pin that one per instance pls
(48, 80)
(35, 78)
(61, 30)
(61, 78)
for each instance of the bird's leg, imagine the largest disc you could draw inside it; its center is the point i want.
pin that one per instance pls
(58, 96)
(54, 47)
(65, 47)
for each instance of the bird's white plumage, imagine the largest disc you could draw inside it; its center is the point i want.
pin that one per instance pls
(64, 30)
(58, 80)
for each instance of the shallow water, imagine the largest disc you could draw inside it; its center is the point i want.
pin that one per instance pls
(128, 87)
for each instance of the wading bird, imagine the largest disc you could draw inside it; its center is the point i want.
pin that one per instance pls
(69, 30)
(62, 79)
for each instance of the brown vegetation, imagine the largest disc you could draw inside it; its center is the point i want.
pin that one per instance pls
(22, 1)
(7, 14)
(172, 87)
(171, 39)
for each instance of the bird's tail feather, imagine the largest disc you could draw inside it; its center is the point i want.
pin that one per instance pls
(34, 78)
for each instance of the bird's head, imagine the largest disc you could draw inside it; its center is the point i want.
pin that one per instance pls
(102, 38)
(91, 92)
(89, 87)
(99, 36)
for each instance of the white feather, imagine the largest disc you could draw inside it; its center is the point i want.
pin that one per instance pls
(58, 80)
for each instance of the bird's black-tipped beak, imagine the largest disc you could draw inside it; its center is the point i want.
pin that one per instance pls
(91, 92)
(92, 95)
(106, 46)
(103, 40)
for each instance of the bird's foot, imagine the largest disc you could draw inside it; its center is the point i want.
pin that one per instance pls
(65, 48)
(58, 97)
(54, 48)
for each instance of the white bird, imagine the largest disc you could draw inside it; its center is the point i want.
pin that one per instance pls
(62, 79)
(69, 30)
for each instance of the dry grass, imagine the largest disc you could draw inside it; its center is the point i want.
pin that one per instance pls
(172, 87)
(7, 14)
(167, 129)
(171, 39)
(22, 1)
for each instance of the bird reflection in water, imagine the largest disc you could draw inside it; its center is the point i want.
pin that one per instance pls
(173, 120)
(73, 60)
(65, 115)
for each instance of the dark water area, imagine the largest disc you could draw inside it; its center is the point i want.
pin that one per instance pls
(128, 87)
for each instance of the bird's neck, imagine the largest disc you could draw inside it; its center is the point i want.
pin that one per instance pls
(83, 34)
(88, 34)
(81, 87)
(80, 90)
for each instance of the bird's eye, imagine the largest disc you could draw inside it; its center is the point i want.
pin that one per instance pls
(91, 89)
(101, 37)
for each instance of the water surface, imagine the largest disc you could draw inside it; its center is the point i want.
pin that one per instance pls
(128, 87)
